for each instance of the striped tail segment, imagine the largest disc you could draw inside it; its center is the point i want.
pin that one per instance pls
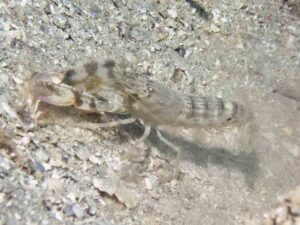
(212, 111)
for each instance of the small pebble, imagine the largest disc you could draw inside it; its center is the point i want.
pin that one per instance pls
(78, 211)
(148, 183)
(60, 21)
(172, 13)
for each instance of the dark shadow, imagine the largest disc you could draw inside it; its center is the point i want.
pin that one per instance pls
(246, 163)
